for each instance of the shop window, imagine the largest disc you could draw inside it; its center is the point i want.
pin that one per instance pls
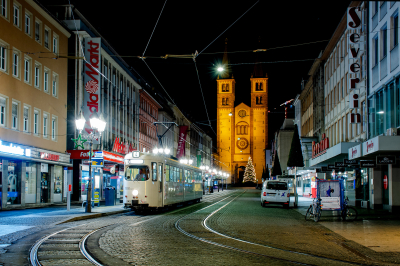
(58, 183)
(14, 183)
(30, 183)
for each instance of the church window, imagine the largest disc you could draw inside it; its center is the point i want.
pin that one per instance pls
(261, 86)
(227, 88)
(223, 101)
(260, 101)
(256, 86)
(223, 87)
(227, 101)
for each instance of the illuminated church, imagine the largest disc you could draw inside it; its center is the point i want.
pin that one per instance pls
(242, 129)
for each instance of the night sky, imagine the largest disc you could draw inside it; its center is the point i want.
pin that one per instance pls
(187, 26)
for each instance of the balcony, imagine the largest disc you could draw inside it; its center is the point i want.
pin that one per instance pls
(394, 58)
(383, 64)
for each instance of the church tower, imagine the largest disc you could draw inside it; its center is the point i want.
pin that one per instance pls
(225, 109)
(242, 130)
(259, 114)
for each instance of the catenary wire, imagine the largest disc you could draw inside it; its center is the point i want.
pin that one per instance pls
(154, 28)
(228, 27)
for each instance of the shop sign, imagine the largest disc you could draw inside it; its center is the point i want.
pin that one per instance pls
(368, 164)
(17, 150)
(324, 169)
(180, 152)
(385, 182)
(355, 51)
(350, 162)
(96, 196)
(355, 152)
(332, 167)
(98, 154)
(91, 79)
(121, 147)
(321, 147)
(80, 154)
(340, 165)
(49, 156)
(386, 160)
(370, 146)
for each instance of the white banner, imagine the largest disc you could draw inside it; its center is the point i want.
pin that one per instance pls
(329, 203)
(91, 81)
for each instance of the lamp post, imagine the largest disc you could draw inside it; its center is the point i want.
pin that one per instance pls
(96, 124)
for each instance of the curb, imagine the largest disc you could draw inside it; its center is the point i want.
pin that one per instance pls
(92, 216)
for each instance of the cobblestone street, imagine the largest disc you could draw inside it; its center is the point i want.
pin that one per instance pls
(229, 227)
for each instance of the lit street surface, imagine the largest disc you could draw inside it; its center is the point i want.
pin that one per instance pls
(228, 227)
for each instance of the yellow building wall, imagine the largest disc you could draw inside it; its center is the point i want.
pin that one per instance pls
(25, 93)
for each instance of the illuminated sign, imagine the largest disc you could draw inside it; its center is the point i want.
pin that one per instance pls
(91, 79)
(121, 147)
(49, 156)
(14, 149)
(321, 147)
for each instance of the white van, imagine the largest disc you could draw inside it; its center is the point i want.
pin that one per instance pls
(275, 192)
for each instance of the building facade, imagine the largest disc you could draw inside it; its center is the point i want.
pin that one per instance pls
(33, 100)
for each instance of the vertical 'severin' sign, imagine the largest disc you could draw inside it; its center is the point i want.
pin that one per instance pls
(355, 51)
(91, 79)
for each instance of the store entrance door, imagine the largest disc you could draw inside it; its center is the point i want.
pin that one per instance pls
(44, 194)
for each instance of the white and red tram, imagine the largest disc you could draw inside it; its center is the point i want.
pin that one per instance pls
(157, 181)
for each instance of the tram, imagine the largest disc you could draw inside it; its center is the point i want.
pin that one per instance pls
(158, 181)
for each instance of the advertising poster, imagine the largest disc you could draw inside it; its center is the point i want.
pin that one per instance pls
(329, 192)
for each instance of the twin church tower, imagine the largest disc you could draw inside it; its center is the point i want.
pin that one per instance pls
(242, 129)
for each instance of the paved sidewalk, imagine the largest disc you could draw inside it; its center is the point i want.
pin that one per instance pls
(375, 229)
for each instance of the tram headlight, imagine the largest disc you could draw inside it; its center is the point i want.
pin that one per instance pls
(135, 192)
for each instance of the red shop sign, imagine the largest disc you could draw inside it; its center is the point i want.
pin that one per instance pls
(385, 182)
(321, 147)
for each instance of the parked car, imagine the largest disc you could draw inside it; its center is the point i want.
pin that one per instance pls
(275, 192)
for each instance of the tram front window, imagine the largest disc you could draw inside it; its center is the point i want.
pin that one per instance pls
(137, 173)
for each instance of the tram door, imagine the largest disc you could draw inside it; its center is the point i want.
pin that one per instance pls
(161, 181)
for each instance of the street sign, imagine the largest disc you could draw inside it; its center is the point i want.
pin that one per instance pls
(368, 164)
(384, 160)
(98, 154)
(97, 162)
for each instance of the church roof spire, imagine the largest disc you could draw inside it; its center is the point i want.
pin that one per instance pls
(258, 71)
(225, 62)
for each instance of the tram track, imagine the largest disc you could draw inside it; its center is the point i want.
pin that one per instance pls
(253, 248)
(69, 244)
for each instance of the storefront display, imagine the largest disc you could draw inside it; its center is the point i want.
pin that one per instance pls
(30, 183)
(58, 183)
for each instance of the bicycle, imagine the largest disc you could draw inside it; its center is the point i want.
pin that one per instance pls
(314, 210)
(348, 213)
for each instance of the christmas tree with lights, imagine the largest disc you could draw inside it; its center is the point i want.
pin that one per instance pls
(249, 172)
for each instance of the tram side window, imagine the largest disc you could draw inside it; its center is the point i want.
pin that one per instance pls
(167, 173)
(137, 173)
(154, 171)
(180, 174)
(159, 172)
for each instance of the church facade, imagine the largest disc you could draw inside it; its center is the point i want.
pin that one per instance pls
(242, 129)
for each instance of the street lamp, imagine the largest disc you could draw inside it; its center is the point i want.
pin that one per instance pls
(97, 124)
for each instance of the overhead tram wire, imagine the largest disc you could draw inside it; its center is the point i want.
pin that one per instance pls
(154, 28)
(229, 27)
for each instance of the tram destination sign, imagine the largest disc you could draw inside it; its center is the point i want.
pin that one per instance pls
(350, 162)
(384, 160)
(368, 164)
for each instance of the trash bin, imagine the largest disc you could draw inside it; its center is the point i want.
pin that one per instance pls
(110, 196)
